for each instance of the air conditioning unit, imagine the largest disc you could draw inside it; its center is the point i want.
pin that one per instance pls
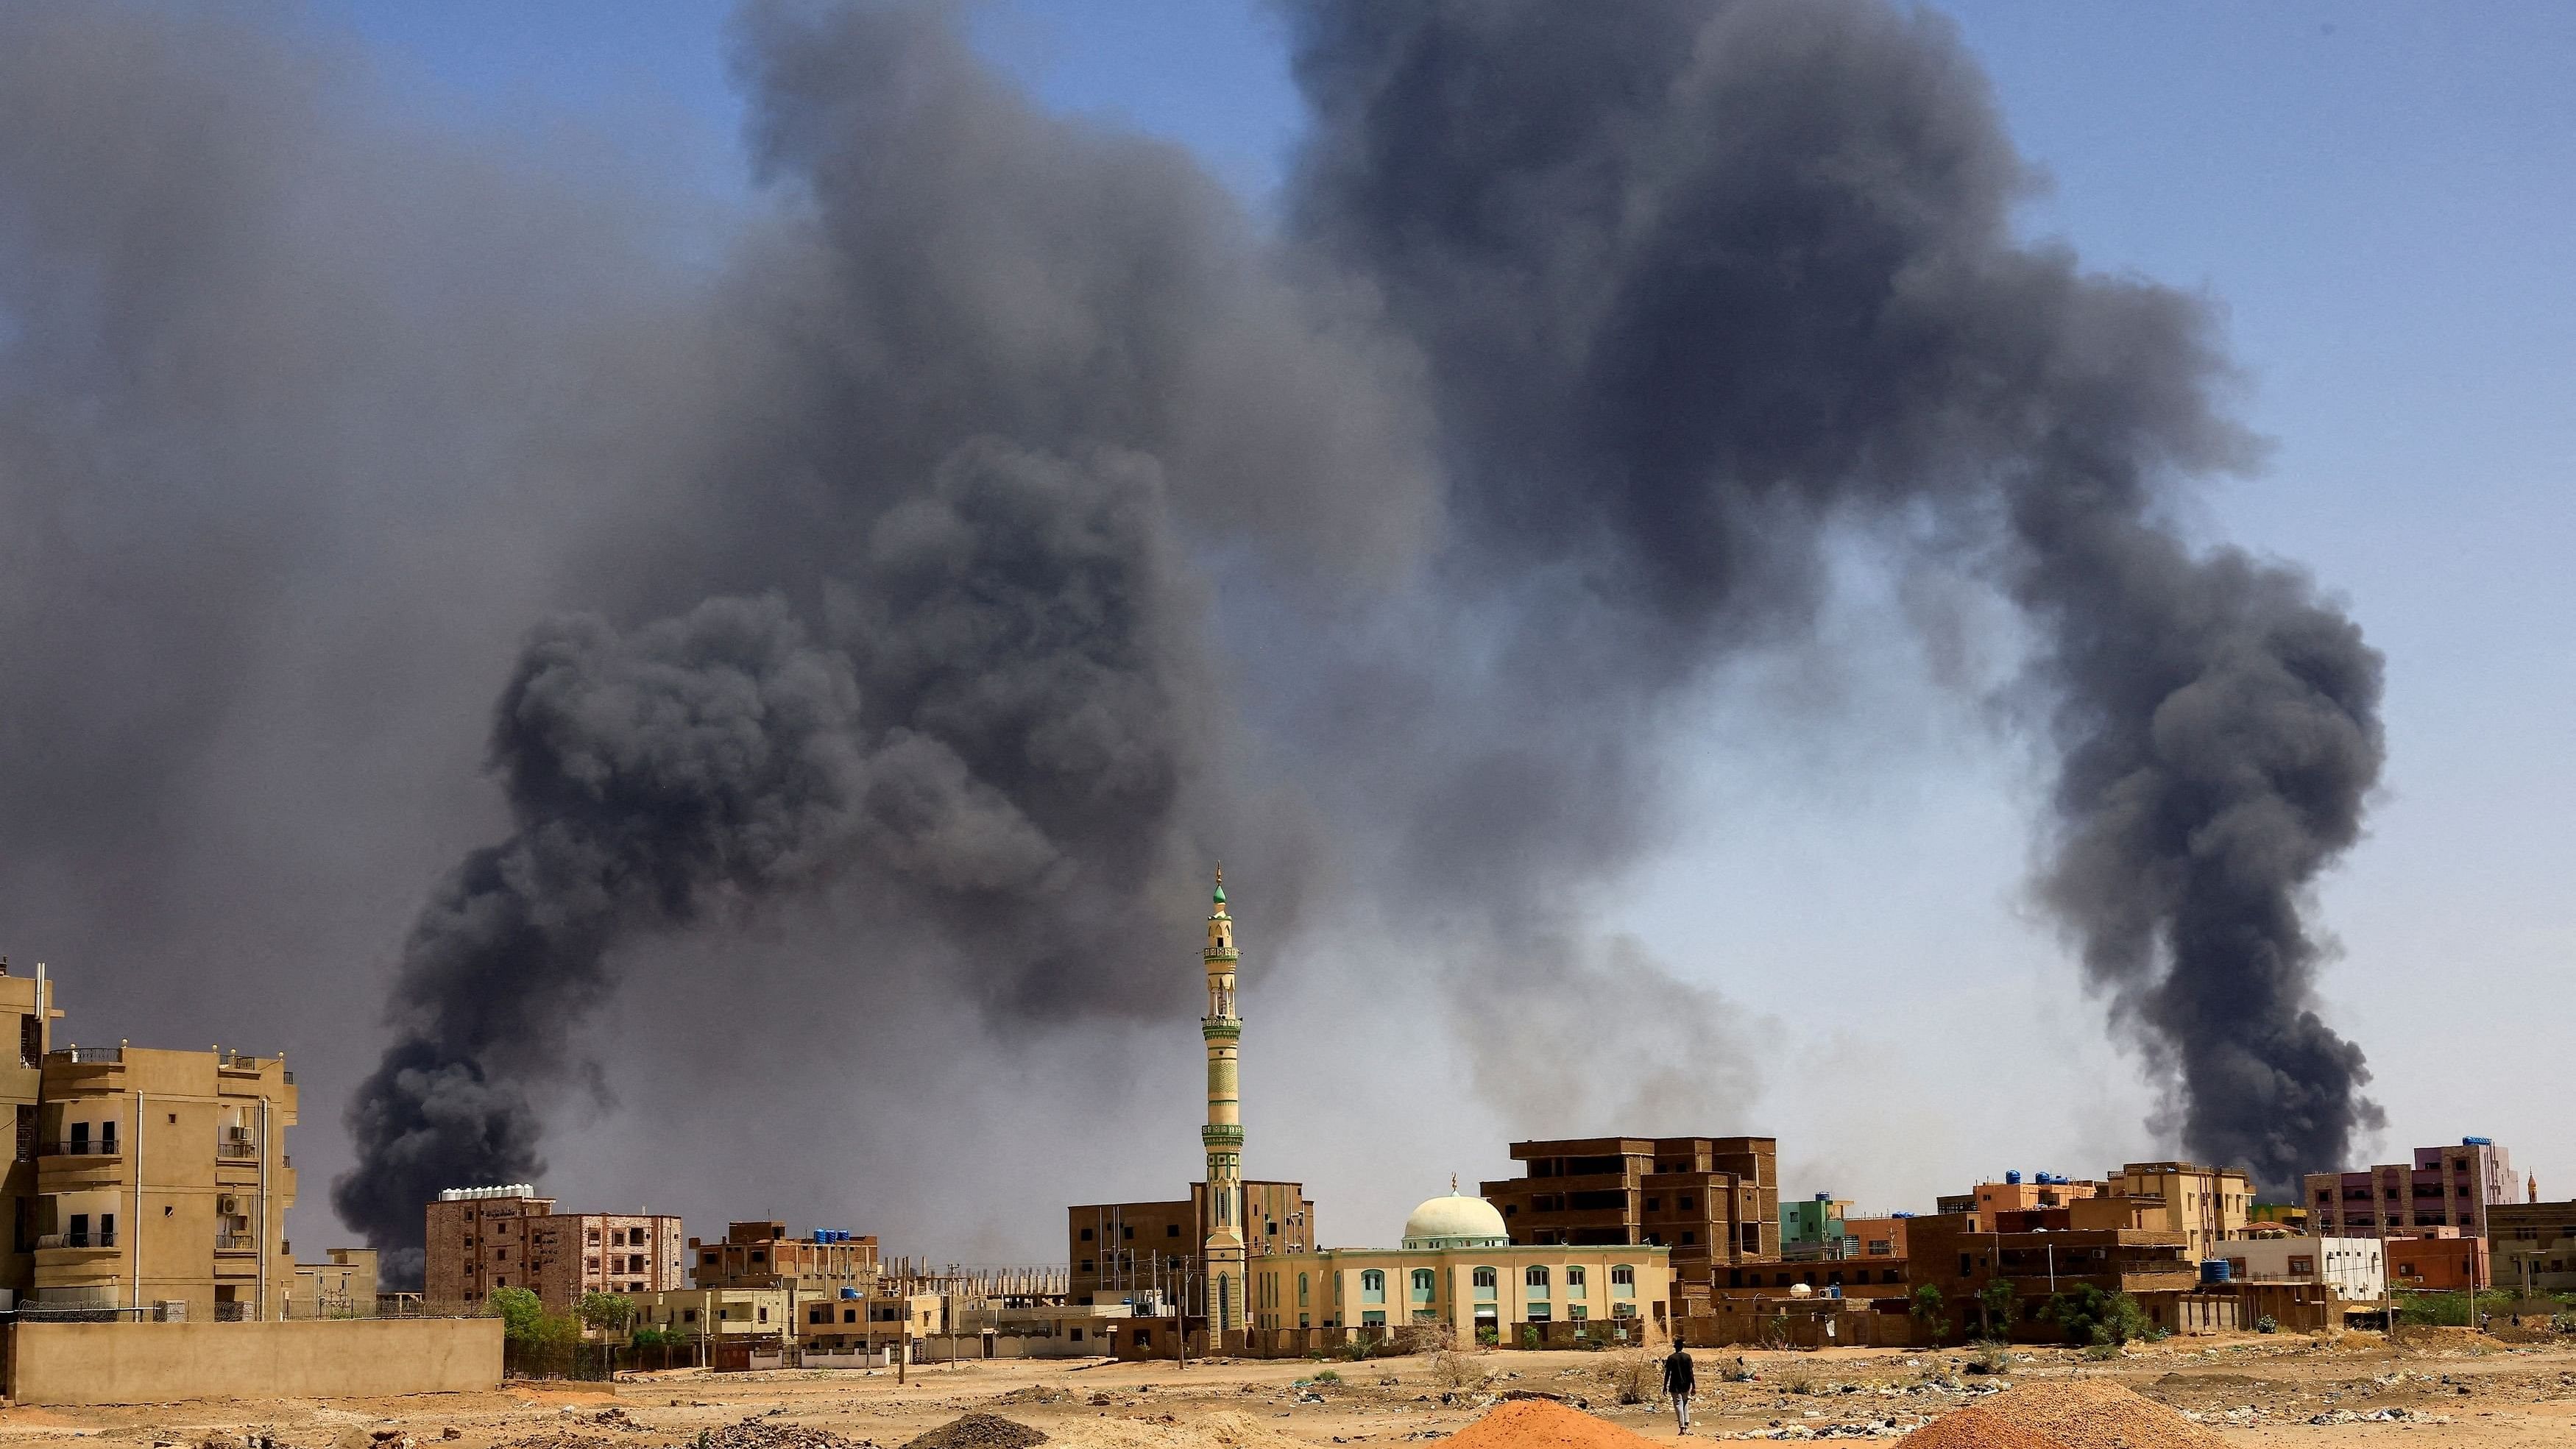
(227, 1205)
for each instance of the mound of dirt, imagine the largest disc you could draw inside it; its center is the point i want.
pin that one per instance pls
(2080, 1415)
(979, 1431)
(1543, 1424)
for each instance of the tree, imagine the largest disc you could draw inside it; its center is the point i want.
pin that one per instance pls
(1928, 1311)
(521, 1313)
(1995, 1303)
(608, 1312)
(2090, 1316)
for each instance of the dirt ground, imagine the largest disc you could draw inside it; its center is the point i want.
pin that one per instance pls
(2438, 1387)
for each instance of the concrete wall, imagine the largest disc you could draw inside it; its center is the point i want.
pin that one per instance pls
(131, 1363)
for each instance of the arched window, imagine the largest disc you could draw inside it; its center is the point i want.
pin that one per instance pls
(1372, 1286)
(1424, 1283)
(1574, 1278)
(1535, 1275)
(1485, 1280)
(1623, 1281)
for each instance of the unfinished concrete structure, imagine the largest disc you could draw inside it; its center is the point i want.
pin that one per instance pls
(342, 1286)
(762, 1255)
(2533, 1245)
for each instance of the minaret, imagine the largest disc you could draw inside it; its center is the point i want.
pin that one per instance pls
(1223, 1134)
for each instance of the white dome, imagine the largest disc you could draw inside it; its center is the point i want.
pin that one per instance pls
(1455, 1221)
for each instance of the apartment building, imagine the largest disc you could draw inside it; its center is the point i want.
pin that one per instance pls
(2207, 1205)
(762, 1255)
(1131, 1250)
(26, 1014)
(161, 1179)
(2356, 1268)
(2451, 1187)
(2437, 1259)
(2534, 1245)
(1714, 1201)
(482, 1238)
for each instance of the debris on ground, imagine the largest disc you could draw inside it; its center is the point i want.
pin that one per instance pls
(972, 1431)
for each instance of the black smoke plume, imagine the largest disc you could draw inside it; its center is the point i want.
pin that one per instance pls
(1700, 284)
(887, 552)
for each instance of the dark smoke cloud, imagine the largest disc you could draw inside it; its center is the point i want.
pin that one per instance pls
(885, 555)
(1698, 285)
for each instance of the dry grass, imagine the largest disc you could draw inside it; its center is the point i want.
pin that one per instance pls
(1454, 1371)
(1634, 1375)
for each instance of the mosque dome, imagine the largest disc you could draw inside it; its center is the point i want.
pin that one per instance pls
(1455, 1221)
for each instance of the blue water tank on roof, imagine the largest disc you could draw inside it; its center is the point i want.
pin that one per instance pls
(2477, 1142)
(2213, 1270)
(849, 1292)
(2013, 1176)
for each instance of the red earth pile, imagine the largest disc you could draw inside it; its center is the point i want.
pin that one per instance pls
(1543, 1424)
(2075, 1415)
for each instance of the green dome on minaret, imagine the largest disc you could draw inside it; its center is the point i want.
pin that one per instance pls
(1220, 885)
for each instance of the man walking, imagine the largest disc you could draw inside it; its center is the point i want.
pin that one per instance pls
(1678, 1384)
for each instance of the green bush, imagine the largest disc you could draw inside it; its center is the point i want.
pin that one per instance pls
(2087, 1315)
(2267, 1324)
(609, 1312)
(1328, 1376)
(1529, 1335)
(1927, 1310)
(519, 1310)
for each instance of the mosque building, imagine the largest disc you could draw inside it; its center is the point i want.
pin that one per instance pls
(1459, 1268)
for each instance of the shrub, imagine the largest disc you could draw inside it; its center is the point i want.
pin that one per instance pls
(1489, 1336)
(1991, 1358)
(1425, 1338)
(1328, 1376)
(2267, 1324)
(1927, 1311)
(1529, 1335)
(1453, 1371)
(1634, 1375)
(2088, 1315)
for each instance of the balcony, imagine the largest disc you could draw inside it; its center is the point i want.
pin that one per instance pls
(81, 1147)
(229, 1242)
(81, 1056)
(229, 1148)
(75, 1240)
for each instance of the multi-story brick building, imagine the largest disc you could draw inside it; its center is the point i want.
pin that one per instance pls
(1715, 1201)
(1951, 1253)
(2015, 1194)
(2444, 1187)
(479, 1239)
(1140, 1249)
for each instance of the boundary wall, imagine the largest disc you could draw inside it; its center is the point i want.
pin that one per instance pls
(140, 1363)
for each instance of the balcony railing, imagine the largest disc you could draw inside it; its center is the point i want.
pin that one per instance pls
(236, 1149)
(236, 1242)
(83, 1056)
(82, 1147)
(235, 1312)
(76, 1240)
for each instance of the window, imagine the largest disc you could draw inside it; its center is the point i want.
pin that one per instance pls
(1086, 1265)
(1654, 1204)
(1086, 1235)
(1485, 1280)
(1172, 1230)
(1623, 1281)
(1685, 1201)
(1424, 1281)
(1689, 1237)
(593, 1239)
(1301, 1290)
(1127, 1232)
(1535, 1276)
(707, 1258)
(1373, 1286)
(1574, 1279)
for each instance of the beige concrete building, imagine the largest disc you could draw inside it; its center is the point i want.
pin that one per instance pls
(2207, 1205)
(1458, 1267)
(715, 1312)
(27, 1014)
(161, 1179)
(762, 1255)
(342, 1287)
(479, 1239)
(2356, 1268)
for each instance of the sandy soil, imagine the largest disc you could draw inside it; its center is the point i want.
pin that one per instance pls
(2439, 1388)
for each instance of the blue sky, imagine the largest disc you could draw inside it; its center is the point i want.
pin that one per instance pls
(2377, 195)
